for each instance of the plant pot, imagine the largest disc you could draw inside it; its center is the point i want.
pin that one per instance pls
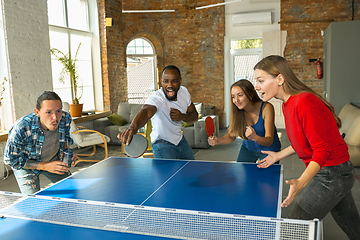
(76, 110)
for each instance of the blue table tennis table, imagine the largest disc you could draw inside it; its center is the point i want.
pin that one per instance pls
(231, 188)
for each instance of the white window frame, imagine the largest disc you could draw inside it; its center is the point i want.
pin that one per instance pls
(239, 52)
(7, 115)
(93, 33)
(154, 56)
(230, 76)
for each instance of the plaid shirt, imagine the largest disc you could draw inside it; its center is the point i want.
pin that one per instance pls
(26, 138)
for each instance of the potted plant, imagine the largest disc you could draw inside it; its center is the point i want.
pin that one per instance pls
(69, 69)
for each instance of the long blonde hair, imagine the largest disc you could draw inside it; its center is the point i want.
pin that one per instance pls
(275, 65)
(237, 116)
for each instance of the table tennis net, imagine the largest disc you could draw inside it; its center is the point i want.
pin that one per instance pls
(170, 223)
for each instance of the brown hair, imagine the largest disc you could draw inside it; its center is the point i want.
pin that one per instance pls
(237, 116)
(47, 95)
(275, 65)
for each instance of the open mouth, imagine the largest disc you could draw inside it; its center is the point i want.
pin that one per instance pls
(170, 92)
(54, 124)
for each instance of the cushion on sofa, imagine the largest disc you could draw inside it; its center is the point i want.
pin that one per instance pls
(128, 110)
(200, 108)
(185, 124)
(117, 119)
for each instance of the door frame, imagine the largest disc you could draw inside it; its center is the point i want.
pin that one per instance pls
(231, 78)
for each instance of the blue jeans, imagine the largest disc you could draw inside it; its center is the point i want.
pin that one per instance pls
(330, 191)
(246, 155)
(29, 182)
(167, 150)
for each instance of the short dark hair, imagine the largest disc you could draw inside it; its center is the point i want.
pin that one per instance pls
(47, 95)
(171, 67)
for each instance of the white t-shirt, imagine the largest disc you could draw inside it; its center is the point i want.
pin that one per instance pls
(163, 127)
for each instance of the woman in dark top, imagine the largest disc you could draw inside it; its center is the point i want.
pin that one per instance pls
(252, 120)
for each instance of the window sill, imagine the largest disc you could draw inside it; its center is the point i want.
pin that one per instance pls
(3, 136)
(94, 116)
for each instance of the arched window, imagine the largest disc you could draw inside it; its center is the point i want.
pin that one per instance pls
(141, 70)
(69, 25)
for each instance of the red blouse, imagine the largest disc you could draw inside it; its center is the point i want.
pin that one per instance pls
(312, 131)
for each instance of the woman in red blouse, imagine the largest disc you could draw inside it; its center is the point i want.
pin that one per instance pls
(312, 128)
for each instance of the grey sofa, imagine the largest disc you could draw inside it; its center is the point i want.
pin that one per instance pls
(195, 135)
(127, 111)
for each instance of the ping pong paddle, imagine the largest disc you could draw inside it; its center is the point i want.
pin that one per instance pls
(209, 126)
(137, 146)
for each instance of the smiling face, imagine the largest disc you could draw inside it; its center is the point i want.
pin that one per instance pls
(267, 85)
(239, 98)
(171, 83)
(49, 114)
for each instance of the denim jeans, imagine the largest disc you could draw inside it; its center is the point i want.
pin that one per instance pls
(167, 150)
(246, 155)
(29, 181)
(330, 191)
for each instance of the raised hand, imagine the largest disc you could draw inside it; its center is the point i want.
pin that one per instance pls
(212, 140)
(175, 115)
(126, 135)
(269, 160)
(250, 133)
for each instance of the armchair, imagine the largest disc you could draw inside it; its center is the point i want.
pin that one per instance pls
(350, 130)
(85, 138)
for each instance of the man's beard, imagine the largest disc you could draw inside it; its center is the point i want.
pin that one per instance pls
(170, 98)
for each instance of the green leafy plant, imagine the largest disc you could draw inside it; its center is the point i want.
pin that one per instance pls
(69, 69)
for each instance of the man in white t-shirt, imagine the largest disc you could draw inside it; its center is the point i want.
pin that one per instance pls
(168, 107)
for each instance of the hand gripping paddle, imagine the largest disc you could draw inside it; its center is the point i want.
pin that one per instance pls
(209, 126)
(137, 146)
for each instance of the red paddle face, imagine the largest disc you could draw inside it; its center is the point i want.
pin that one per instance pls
(209, 126)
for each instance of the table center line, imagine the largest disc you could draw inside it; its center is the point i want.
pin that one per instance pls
(158, 189)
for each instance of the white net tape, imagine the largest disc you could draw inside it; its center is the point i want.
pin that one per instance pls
(173, 223)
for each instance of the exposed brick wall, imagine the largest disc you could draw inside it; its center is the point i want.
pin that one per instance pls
(113, 56)
(191, 39)
(104, 55)
(304, 20)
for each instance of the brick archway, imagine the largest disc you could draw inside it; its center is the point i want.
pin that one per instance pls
(158, 47)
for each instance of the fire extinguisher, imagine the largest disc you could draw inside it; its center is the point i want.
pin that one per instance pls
(319, 69)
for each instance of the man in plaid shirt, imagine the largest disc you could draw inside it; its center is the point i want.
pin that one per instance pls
(36, 142)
